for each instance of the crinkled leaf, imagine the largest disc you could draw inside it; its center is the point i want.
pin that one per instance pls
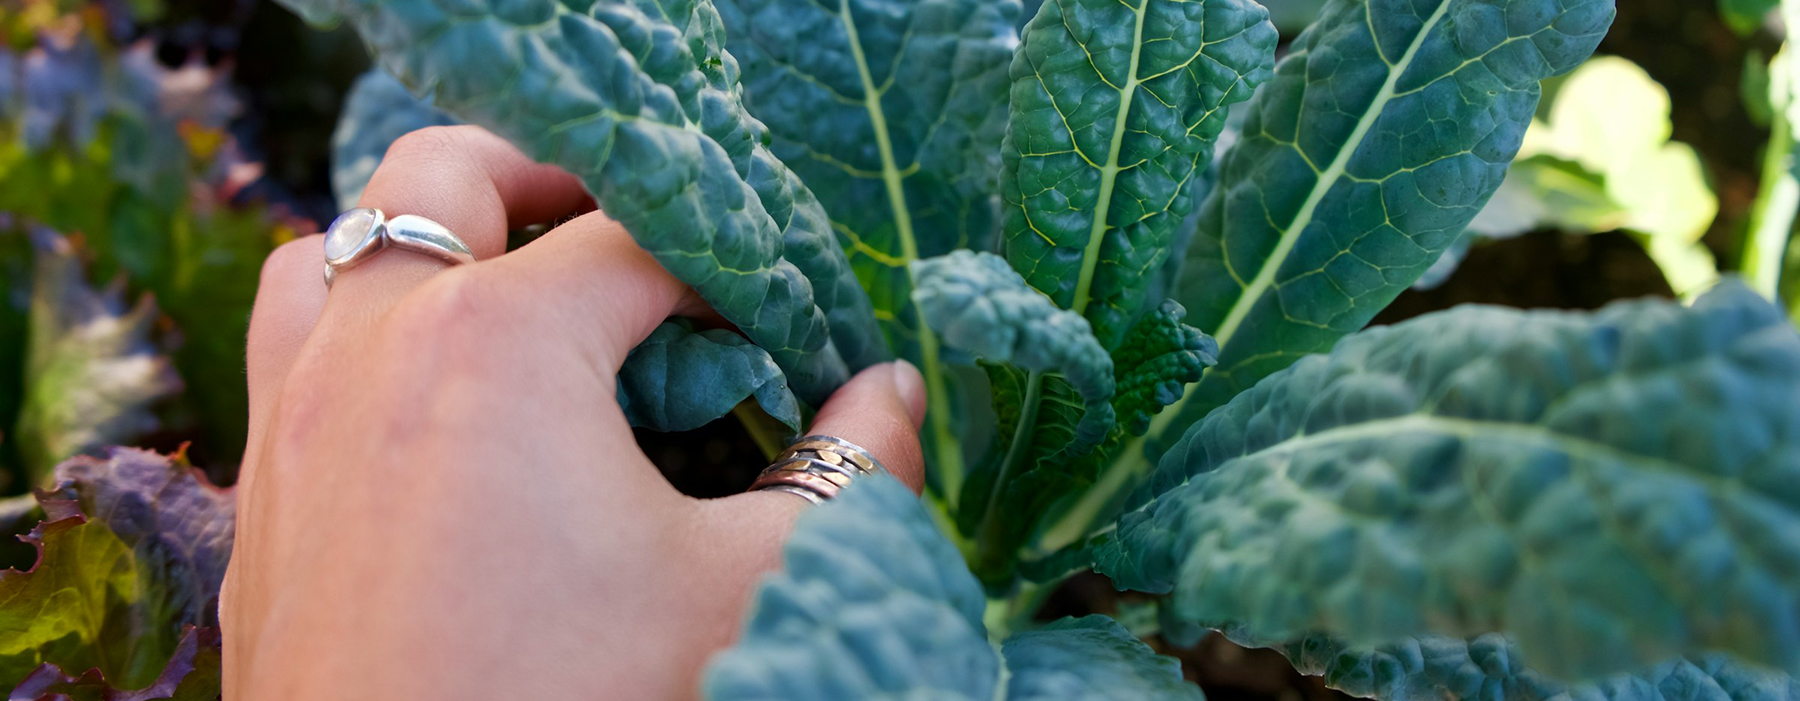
(57, 610)
(1433, 668)
(979, 305)
(1115, 107)
(870, 584)
(1383, 133)
(193, 674)
(640, 100)
(1091, 658)
(133, 553)
(91, 369)
(178, 525)
(893, 112)
(1613, 489)
(679, 379)
(1158, 358)
(377, 112)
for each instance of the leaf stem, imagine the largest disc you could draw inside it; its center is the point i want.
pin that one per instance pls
(1772, 218)
(1109, 174)
(942, 441)
(768, 434)
(989, 532)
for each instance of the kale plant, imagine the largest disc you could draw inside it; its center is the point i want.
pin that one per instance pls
(1147, 359)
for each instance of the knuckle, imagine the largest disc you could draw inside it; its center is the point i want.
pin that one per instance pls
(430, 143)
(457, 308)
(289, 261)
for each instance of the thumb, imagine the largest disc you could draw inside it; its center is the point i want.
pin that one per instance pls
(880, 409)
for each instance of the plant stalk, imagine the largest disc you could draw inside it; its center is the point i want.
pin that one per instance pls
(986, 554)
(1772, 219)
(947, 450)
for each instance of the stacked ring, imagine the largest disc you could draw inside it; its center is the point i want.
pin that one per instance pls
(816, 468)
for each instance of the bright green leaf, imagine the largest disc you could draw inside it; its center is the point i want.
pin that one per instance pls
(1115, 108)
(1612, 489)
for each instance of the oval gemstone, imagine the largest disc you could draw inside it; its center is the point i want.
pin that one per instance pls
(348, 232)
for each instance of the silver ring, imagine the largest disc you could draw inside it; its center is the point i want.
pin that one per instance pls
(816, 468)
(358, 234)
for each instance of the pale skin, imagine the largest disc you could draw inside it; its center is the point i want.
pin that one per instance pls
(441, 499)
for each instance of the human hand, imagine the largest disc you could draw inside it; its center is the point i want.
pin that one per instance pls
(441, 499)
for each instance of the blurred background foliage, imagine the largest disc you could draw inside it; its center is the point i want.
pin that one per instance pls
(152, 152)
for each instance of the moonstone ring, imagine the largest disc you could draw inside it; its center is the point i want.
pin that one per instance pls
(359, 234)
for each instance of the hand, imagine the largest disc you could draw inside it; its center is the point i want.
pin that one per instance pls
(442, 500)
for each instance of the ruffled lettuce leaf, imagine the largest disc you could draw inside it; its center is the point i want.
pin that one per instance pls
(92, 370)
(125, 591)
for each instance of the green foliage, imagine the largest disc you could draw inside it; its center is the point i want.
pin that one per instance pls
(1431, 668)
(91, 370)
(1383, 133)
(1602, 161)
(641, 102)
(1604, 488)
(377, 112)
(1107, 128)
(871, 585)
(679, 379)
(132, 554)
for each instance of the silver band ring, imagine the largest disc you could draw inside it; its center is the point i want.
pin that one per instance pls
(358, 234)
(816, 468)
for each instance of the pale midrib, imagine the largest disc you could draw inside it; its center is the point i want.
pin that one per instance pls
(949, 451)
(1109, 173)
(1265, 275)
(1120, 473)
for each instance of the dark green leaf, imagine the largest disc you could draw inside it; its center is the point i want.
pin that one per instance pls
(377, 112)
(1612, 489)
(1433, 668)
(980, 306)
(680, 379)
(1090, 659)
(874, 603)
(893, 112)
(1115, 107)
(1385, 130)
(640, 100)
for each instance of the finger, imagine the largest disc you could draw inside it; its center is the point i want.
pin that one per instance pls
(880, 409)
(586, 284)
(469, 180)
(288, 300)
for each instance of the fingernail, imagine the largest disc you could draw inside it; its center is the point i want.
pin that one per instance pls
(911, 387)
